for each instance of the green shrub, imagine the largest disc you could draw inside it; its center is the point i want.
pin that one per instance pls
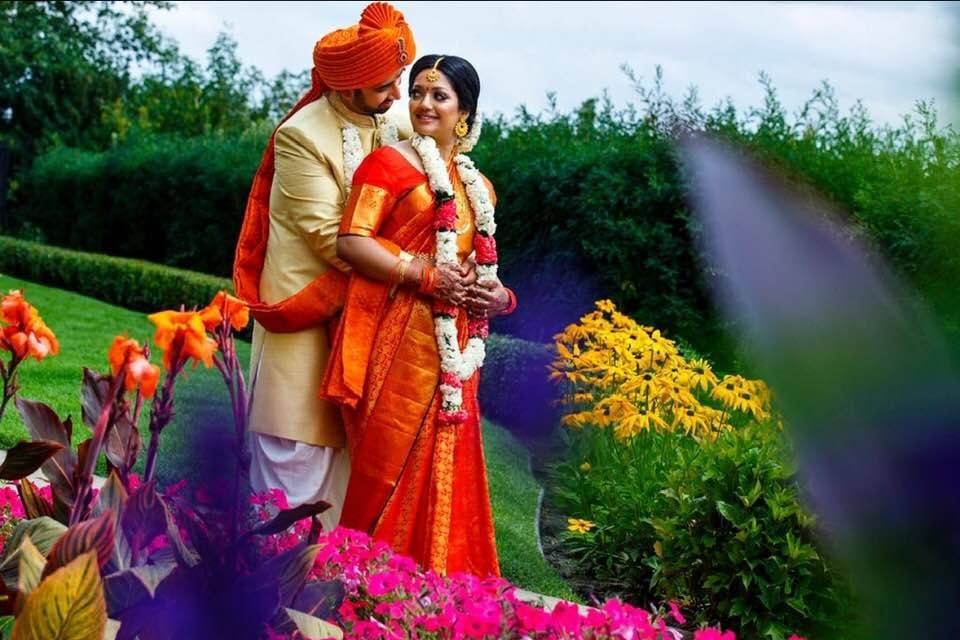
(193, 192)
(514, 390)
(133, 284)
(717, 526)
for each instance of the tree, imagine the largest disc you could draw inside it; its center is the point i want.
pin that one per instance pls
(63, 63)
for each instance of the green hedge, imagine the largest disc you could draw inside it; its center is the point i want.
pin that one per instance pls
(171, 200)
(514, 390)
(133, 284)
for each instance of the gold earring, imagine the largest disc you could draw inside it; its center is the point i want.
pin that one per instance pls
(461, 128)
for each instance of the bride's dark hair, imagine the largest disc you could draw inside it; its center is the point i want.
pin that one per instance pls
(462, 76)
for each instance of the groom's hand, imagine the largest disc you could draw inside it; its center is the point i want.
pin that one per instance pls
(468, 270)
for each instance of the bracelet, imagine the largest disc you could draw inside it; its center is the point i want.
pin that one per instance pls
(428, 280)
(513, 302)
(396, 277)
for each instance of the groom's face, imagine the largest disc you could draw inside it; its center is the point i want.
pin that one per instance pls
(378, 98)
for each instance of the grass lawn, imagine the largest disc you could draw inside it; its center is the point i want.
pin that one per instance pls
(195, 444)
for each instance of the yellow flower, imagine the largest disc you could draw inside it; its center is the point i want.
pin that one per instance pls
(689, 419)
(676, 393)
(748, 402)
(585, 467)
(700, 376)
(606, 306)
(634, 424)
(577, 420)
(728, 390)
(576, 525)
(644, 384)
(658, 548)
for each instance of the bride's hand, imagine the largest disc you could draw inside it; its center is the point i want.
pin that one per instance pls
(450, 285)
(487, 299)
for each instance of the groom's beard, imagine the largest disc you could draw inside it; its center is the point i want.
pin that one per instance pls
(358, 104)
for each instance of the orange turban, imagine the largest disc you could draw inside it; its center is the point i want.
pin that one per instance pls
(365, 54)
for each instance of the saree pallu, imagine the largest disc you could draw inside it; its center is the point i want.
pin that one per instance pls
(415, 484)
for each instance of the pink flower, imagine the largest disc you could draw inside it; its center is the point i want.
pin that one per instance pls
(456, 417)
(451, 379)
(486, 247)
(714, 634)
(382, 583)
(478, 327)
(445, 216)
(675, 612)
(531, 619)
(566, 616)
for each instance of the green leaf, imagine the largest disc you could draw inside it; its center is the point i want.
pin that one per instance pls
(68, 605)
(6, 626)
(90, 535)
(312, 627)
(43, 531)
(113, 497)
(30, 567)
(730, 512)
(125, 589)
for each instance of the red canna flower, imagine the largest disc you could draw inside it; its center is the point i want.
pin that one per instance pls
(25, 334)
(225, 305)
(182, 332)
(126, 353)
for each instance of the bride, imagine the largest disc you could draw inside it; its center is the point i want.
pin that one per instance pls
(418, 230)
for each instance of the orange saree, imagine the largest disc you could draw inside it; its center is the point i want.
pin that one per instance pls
(416, 484)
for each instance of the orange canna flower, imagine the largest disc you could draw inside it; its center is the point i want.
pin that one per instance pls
(184, 330)
(139, 372)
(25, 334)
(233, 308)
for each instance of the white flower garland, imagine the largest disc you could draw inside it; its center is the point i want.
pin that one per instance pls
(353, 149)
(456, 366)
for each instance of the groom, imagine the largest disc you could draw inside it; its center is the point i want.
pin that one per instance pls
(286, 266)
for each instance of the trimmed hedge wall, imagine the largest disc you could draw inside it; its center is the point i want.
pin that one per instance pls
(133, 284)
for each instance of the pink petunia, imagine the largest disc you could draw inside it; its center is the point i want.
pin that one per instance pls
(675, 612)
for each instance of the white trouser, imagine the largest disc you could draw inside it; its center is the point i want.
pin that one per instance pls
(304, 472)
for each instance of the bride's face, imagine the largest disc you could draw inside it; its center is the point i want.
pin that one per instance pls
(434, 108)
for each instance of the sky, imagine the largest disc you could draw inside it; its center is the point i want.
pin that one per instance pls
(887, 54)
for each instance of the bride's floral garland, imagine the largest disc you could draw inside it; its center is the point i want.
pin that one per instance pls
(457, 366)
(353, 149)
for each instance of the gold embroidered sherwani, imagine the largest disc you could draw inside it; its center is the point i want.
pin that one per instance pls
(306, 204)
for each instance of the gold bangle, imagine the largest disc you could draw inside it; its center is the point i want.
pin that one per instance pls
(400, 268)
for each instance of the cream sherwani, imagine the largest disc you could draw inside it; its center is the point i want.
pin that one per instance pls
(297, 439)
